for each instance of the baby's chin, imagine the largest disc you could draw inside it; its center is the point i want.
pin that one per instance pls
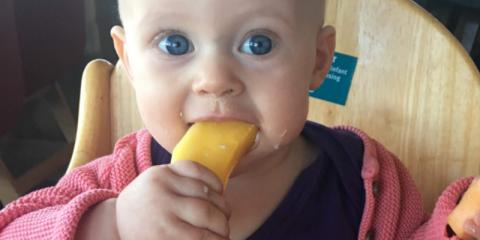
(245, 164)
(253, 160)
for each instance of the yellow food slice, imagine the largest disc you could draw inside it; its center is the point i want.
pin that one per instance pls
(467, 208)
(216, 145)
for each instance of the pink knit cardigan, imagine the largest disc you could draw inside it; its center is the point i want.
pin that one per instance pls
(393, 207)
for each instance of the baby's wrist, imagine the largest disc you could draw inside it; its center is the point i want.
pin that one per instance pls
(99, 222)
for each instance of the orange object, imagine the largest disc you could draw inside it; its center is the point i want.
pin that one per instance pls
(216, 145)
(469, 205)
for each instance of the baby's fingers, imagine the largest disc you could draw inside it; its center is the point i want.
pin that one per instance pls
(188, 187)
(203, 214)
(197, 171)
(187, 231)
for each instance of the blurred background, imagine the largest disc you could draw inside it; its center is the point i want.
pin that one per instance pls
(45, 46)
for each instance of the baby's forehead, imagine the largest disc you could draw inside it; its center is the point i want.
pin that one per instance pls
(225, 9)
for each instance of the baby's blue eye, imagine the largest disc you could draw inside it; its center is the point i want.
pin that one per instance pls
(257, 45)
(175, 44)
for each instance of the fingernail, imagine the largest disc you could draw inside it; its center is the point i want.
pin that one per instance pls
(476, 219)
(470, 228)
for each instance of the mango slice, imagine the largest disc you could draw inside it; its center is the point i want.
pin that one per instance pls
(216, 145)
(467, 208)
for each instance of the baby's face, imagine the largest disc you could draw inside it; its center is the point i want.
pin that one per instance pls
(247, 60)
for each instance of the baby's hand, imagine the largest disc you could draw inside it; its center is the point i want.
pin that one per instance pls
(177, 201)
(472, 226)
(464, 220)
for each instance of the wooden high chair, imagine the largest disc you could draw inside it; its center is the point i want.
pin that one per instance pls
(415, 90)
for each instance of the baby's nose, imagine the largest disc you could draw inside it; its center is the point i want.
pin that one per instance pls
(217, 79)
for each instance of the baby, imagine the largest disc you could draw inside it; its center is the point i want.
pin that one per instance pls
(218, 60)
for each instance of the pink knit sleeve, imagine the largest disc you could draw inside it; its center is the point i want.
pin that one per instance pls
(435, 227)
(54, 212)
(396, 211)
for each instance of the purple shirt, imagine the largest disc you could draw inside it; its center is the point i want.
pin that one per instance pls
(326, 200)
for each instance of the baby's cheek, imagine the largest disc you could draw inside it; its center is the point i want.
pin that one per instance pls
(166, 135)
(281, 126)
(163, 122)
(285, 134)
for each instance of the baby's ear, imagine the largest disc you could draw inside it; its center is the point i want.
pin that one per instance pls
(118, 36)
(324, 55)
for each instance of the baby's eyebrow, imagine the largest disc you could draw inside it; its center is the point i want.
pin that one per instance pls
(269, 14)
